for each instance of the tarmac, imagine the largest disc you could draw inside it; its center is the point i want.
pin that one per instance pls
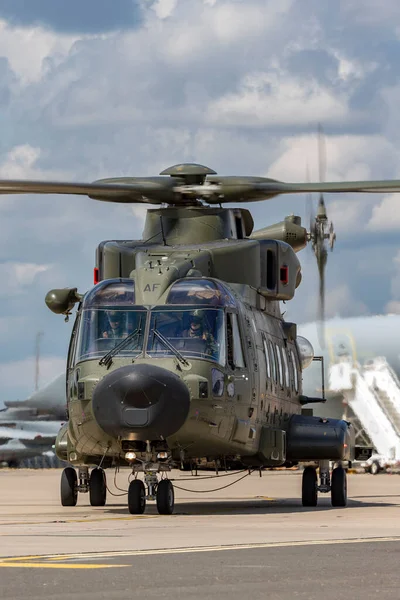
(252, 539)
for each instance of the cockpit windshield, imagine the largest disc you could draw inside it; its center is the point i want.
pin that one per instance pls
(193, 329)
(194, 333)
(109, 316)
(101, 330)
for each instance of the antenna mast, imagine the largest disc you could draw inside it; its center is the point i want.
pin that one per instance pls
(38, 336)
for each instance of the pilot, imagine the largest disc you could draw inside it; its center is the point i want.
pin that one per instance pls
(198, 330)
(116, 327)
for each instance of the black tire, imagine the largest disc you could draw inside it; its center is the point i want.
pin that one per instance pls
(136, 497)
(97, 488)
(339, 487)
(165, 497)
(13, 464)
(309, 492)
(69, 487)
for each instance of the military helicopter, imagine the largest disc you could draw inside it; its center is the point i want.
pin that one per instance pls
(180, 350)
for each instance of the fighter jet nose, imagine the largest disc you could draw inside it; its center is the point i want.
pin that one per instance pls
(141, 402)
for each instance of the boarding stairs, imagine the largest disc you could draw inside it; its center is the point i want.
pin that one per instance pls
(372, 392)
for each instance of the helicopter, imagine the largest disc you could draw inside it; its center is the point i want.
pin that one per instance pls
(180, 350)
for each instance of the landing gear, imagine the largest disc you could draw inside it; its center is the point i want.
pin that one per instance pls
(309, 492)
(153, 465)
(336, 485)
(136, 497)
(72, 483)
(161, 491)
(339, 487)
(165, 497)
(69, 487)
(97, 487)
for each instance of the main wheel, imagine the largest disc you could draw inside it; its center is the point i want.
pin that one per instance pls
(136, 497)
(339, 487)
(69, 487)
(165, 497)
(97, 487)
(309, 492)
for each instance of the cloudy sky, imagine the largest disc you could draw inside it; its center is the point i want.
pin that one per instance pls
(98, 89)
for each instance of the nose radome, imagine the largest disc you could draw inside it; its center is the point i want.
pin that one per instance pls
(141, 402)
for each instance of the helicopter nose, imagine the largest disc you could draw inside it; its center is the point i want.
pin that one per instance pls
(141, 402)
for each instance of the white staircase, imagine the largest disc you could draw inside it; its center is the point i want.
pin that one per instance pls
(373, 394)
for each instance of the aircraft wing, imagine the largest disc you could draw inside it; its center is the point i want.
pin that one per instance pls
(30, 437)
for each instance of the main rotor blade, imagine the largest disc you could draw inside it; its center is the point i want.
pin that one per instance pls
(147, 190)
(172, 190)
(322, 256)
(251, 189)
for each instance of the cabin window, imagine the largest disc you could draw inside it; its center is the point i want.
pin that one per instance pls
(192, 333)
(280, 372)
(267, 357)
(286, 368)
(295, 372)
(273, 362)
(291, 370)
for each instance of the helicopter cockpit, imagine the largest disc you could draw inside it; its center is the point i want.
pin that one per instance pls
(191, 324)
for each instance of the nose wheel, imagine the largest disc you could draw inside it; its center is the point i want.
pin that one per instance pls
(335, 484)
(165, 497)
(136, 497)
(162, 492)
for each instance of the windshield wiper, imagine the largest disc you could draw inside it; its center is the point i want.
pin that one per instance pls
(107, 358)
(170, 347)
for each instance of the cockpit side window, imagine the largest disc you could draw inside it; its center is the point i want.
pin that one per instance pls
(237, 350)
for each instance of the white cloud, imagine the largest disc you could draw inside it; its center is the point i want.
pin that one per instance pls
(164, 8)
(28, 48)
(341, 302)
(386, 215)
(17, 276)
(276, 99)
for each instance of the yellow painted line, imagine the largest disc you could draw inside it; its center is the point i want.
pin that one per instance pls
(189, 549)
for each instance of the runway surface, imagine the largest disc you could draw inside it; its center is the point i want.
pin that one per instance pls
(252, 539)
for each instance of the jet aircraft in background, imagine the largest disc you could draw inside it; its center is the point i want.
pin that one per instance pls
(47, 403)
(28, 428)
(20, 440)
